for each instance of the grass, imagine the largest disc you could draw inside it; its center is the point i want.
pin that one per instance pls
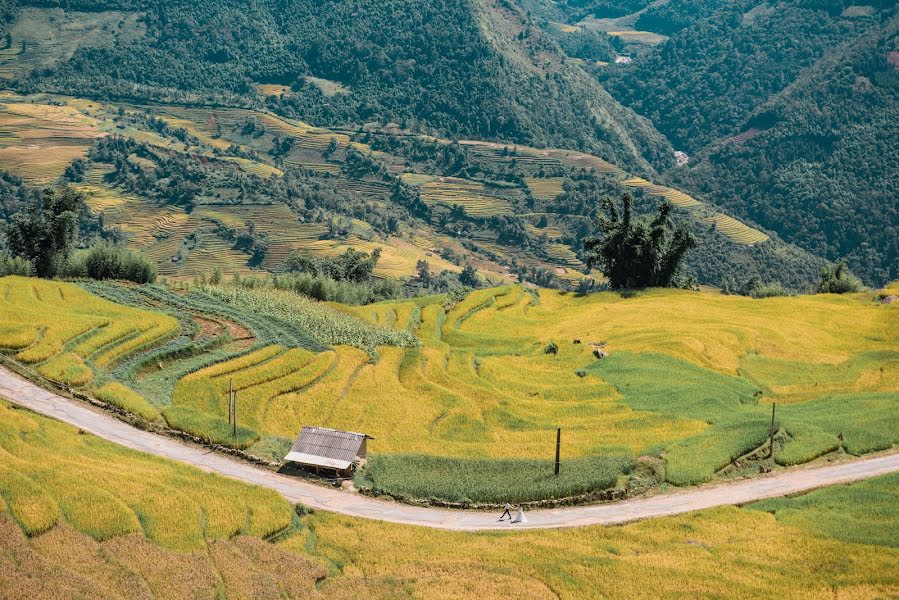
(127, 399)
(490, 481)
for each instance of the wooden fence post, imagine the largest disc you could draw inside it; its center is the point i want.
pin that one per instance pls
(558, 447)
(771, 439)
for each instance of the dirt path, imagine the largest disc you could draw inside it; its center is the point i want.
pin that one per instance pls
(789, 481)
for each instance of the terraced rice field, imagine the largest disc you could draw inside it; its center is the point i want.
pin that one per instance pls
(118, 523)
(695, 381)
(51, 36)
(545, 188)
(675, 197)
(735, 230)
(564, 255)
(38, 141)
(41, 319)
(470, 195)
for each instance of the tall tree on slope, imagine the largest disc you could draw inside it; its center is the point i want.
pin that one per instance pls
(638, 252)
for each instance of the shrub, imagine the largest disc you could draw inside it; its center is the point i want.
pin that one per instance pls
(836, 279)
(14, 265)
(114, 262)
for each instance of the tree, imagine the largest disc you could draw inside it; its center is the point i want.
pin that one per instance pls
(469, 277)
(836, 279)
(45, 232)
(424, 272)
(638, 252)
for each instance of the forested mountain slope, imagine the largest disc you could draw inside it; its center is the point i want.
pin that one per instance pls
(465, 68)
(825, 173)
(789, 110)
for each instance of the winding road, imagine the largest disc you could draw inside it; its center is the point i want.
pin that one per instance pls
(22, 392)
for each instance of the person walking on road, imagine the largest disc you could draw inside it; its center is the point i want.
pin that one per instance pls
(506, 512)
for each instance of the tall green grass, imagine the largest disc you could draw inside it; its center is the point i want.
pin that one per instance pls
(209, 428)
(490, 481)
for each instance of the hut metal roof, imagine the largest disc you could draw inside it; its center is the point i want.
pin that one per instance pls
(329, 448)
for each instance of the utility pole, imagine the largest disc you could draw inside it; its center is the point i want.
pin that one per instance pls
(230, 395)
(234, 424)
(771, 439)
(558, 447)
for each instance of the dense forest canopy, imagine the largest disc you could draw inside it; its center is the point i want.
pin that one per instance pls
(790, 113)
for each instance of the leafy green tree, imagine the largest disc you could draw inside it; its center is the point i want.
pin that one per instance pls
(45, 232)
(638, 252)
(836, 279)
(469, 277)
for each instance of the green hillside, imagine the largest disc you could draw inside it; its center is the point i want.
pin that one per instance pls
(199, 188)
(788, 110)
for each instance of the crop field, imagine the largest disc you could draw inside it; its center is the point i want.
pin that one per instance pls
(41, 38)
(41, 318)
(38, 141)
(470, 195)
(119, 523)
(477, 379)
(794, 552)
(40, 137)
(735, 230)
(545, 188)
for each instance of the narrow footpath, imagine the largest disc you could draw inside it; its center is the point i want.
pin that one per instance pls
(24, 393)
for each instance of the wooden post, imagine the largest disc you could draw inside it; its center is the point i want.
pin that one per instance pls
(234, 424)
(230, 395)
(558, 447)
(771, 439)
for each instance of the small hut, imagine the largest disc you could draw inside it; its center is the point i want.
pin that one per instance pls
(331, 449)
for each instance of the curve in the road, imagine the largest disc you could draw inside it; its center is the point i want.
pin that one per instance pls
(25, 393)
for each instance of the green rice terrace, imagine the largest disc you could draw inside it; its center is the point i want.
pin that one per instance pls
(463, 398)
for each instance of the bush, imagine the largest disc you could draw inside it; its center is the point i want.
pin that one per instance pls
(836, 279)
(495, 481)
(15, 265)
(768, 290)
(106, 261)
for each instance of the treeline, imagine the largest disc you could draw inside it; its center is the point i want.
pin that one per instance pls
(824, 175)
